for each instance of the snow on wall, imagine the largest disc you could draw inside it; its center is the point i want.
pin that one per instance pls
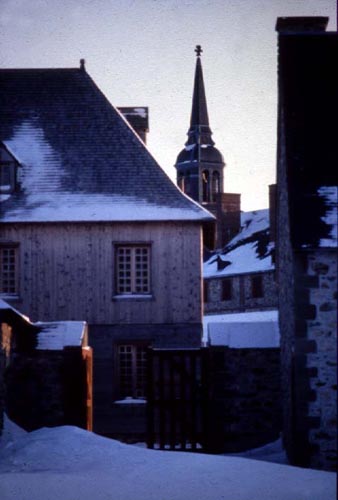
(330, 195)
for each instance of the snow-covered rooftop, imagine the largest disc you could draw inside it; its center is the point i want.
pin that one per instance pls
(52, 336)
(256, 329)
(78, 159)
(55, 336)
(249, 251)
(244, 335)
(5, 306)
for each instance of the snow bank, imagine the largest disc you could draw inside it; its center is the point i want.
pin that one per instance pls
(69, 463)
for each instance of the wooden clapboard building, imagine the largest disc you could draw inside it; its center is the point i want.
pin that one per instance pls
(92, 229)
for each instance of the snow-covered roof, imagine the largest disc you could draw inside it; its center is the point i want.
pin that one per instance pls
(5, 306)
(52, 336)
(79, 159)
(249, 251)
(248, 330)
(248, 335)
(55, 336)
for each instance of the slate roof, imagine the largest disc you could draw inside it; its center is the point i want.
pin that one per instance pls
(250, 251)
(79, 158)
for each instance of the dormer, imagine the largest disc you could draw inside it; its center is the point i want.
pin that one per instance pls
(8, 171)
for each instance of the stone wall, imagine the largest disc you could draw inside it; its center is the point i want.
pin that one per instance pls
(322, 362)
(245, 403)
(308, 325)
(242, 298)
(46, 389)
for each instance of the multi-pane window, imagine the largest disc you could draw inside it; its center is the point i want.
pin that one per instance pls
(257, 287)
(132, 370)
(9, 270)
(133, 270)
(227, 289)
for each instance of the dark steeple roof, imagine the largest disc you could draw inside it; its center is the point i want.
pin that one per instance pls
(199, 121)
(200, 145)
(78, 157)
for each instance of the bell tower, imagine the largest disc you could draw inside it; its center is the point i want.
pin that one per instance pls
(200, 168)
(200, 165)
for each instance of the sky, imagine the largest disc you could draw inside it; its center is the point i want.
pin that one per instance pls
(141, 53)
(68, 462)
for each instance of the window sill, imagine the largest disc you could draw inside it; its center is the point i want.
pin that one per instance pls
(133, 297)
(130, 401)
(10, 297)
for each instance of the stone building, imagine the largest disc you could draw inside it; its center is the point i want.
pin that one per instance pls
(241, 276)
(307, 238)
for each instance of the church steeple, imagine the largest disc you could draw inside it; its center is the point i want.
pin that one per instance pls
(199, 120)
(200, 165)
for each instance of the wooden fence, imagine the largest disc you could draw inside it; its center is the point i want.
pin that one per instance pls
(177, 394)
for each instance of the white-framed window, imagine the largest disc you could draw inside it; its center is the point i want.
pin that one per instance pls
(132, 359)
(133, 270)
(9, 269)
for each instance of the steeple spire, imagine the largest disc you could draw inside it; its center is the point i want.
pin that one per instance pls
(200, 165)
(199, 131)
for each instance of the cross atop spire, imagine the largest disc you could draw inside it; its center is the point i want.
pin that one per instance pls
(199, 113)
(198, 50)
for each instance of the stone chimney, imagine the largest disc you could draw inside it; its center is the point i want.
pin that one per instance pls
(138, 119)
(301, 24)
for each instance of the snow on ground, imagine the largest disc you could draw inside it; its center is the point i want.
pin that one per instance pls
(69, 463)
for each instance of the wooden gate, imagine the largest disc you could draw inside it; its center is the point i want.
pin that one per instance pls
(177, 399)
(78, 386)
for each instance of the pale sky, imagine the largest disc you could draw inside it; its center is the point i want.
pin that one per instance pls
(141, 53)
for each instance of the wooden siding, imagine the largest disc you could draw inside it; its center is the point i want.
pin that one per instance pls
(67, 272)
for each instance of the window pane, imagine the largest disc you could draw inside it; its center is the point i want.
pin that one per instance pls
(226, 289)
(8, 270)
(132, 370)
(257, 287)
(133, 270)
